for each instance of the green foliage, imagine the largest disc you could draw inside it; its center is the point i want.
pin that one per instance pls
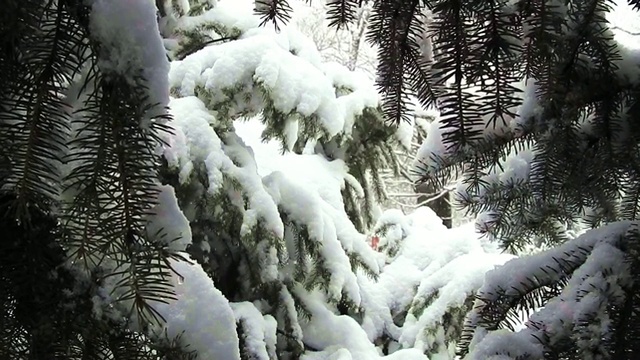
(234, 239)
(483, 53)
(557, 295)
(543, 83)
(583, 101)
(77, 179)
(274, 11)
(32, 99)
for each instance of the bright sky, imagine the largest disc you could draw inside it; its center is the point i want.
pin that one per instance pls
(627, 22)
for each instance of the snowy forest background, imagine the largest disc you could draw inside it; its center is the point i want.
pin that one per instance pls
(251, 198)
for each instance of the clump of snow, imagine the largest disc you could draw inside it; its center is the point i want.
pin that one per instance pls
(259, 331)
(404, 134)
(431, 261)
(285, 68)
(437, 150)
(528, 110)
(514, 169)
(201, 315)
(291, 82)
(313, 182)
(361, 92)
(391, 229)
(303, 47)
(167, 222)
(308, 209)
(340, 336)
(224, 13)
(130, 45)
(195, 142)
(432, 148)
(599, 278)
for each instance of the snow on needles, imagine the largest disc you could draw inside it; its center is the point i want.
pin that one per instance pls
(340, 337)
(434, 271)
(437, 150)
(259, 330)
(362, 93)
(201, 314)
(308, 189)
(195, 142)
(168, 222)
(284, 68)
(291, 82)
(265, 71)
(598, 277)
(131, 46)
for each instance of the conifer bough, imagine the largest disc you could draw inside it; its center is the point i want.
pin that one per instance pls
(539, 113)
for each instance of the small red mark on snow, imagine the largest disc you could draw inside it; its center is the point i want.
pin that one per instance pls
(374, 242)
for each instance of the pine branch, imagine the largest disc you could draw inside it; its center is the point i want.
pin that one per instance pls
(341, 12)
(583, 329)
(275, 11)
(111, 188)
(34, 105)
(393, 26)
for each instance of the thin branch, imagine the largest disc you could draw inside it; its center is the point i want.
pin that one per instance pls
(444, 192)
(625, 31)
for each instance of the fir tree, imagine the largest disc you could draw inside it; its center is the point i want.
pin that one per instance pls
(428, 283)
(97, 262)
(80, 118)
(538, 103)
(538, 106)
(271, 240)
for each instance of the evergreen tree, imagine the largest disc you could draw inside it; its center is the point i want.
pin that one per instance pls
(428, 283)
(82, 107)
(273, 241)
(538, 103)
(105, 200)
(95, 242)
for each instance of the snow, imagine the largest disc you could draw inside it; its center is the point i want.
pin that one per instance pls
(431, 261)
(437, 151)
(307, 209)
(284, 69)
(308, 189)
(431, 149)
(211, 333)
(194, 141)
(259, 332)
(599, 278)
(289, 304)
(529, 108)
(131, 46)
(224, 13)
(430, 257)
(404, 134)
(311, 182)
(543, 266)
(292, 84)
(340, 336)
(361, 92)
(168, 221)
(514, 169)
(425, 269)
